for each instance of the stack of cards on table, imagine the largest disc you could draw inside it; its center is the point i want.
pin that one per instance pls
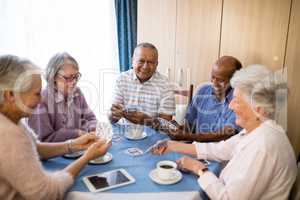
(134, 151)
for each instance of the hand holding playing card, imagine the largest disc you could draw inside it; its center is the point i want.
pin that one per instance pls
(104, 131)
(167, 126)
(178, 134)
(137, 117)
(161, 147)
(116, 111)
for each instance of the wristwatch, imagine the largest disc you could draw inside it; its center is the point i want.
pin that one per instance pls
(202, 171)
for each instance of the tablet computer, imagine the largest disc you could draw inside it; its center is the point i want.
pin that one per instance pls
(108, 180)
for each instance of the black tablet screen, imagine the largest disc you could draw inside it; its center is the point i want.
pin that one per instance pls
(108, 179)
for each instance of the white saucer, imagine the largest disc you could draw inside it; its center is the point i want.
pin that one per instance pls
(74, 155)
(102, 160)
(176, 178)
(143, 135)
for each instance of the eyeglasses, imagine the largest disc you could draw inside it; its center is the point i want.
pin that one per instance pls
(71, 78)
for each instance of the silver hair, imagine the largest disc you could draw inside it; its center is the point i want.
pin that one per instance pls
(146, 45)
(258, 84)
(56, 63)
(12, 74)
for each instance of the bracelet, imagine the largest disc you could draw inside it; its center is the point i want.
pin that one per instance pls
(70, 146)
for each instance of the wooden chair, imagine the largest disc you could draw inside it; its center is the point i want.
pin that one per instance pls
(179, 93)
(183, 98)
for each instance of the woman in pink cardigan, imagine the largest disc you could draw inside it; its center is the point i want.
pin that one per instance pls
(63, 112)
(21, 173)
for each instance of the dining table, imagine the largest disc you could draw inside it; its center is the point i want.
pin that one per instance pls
(137, 166)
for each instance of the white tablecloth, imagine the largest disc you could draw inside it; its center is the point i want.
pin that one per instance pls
(134, 196)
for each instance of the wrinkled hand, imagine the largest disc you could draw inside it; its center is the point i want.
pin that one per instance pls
(84, 141)
(189, 164)
(161, 147)
(81, 132)
(116, 111)
(178, 134)
(137, 117)
(97, 149)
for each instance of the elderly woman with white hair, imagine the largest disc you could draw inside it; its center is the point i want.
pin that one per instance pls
(21, 173)
(261, 162)
(63, 112)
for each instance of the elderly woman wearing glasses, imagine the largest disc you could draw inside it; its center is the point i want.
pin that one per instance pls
(260, 160)
(21, 173)
(63, 112)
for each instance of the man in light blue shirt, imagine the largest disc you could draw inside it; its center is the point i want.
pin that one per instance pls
(208, 117)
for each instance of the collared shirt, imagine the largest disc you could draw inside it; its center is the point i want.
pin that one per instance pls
(56, 120)
(262, 165)
(209, 114)
(66, 107)
(151, 97)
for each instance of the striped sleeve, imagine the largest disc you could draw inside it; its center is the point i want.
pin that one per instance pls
(167, 104)
(118, 91)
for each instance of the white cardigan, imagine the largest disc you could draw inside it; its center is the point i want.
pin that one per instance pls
(261, 165)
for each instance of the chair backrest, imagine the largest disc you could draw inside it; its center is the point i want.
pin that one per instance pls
(184, 93)
(295, 192)
(183, 98)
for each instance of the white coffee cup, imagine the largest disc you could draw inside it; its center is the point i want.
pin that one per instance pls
(134, 130)
(180, 112)
(166, 169)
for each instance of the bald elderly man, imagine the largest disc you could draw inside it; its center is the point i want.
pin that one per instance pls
(208, 117)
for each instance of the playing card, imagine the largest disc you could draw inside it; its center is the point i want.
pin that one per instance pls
(131, 108)
(165, 124)
(104, 131)
(134, 151)
(162, 144)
